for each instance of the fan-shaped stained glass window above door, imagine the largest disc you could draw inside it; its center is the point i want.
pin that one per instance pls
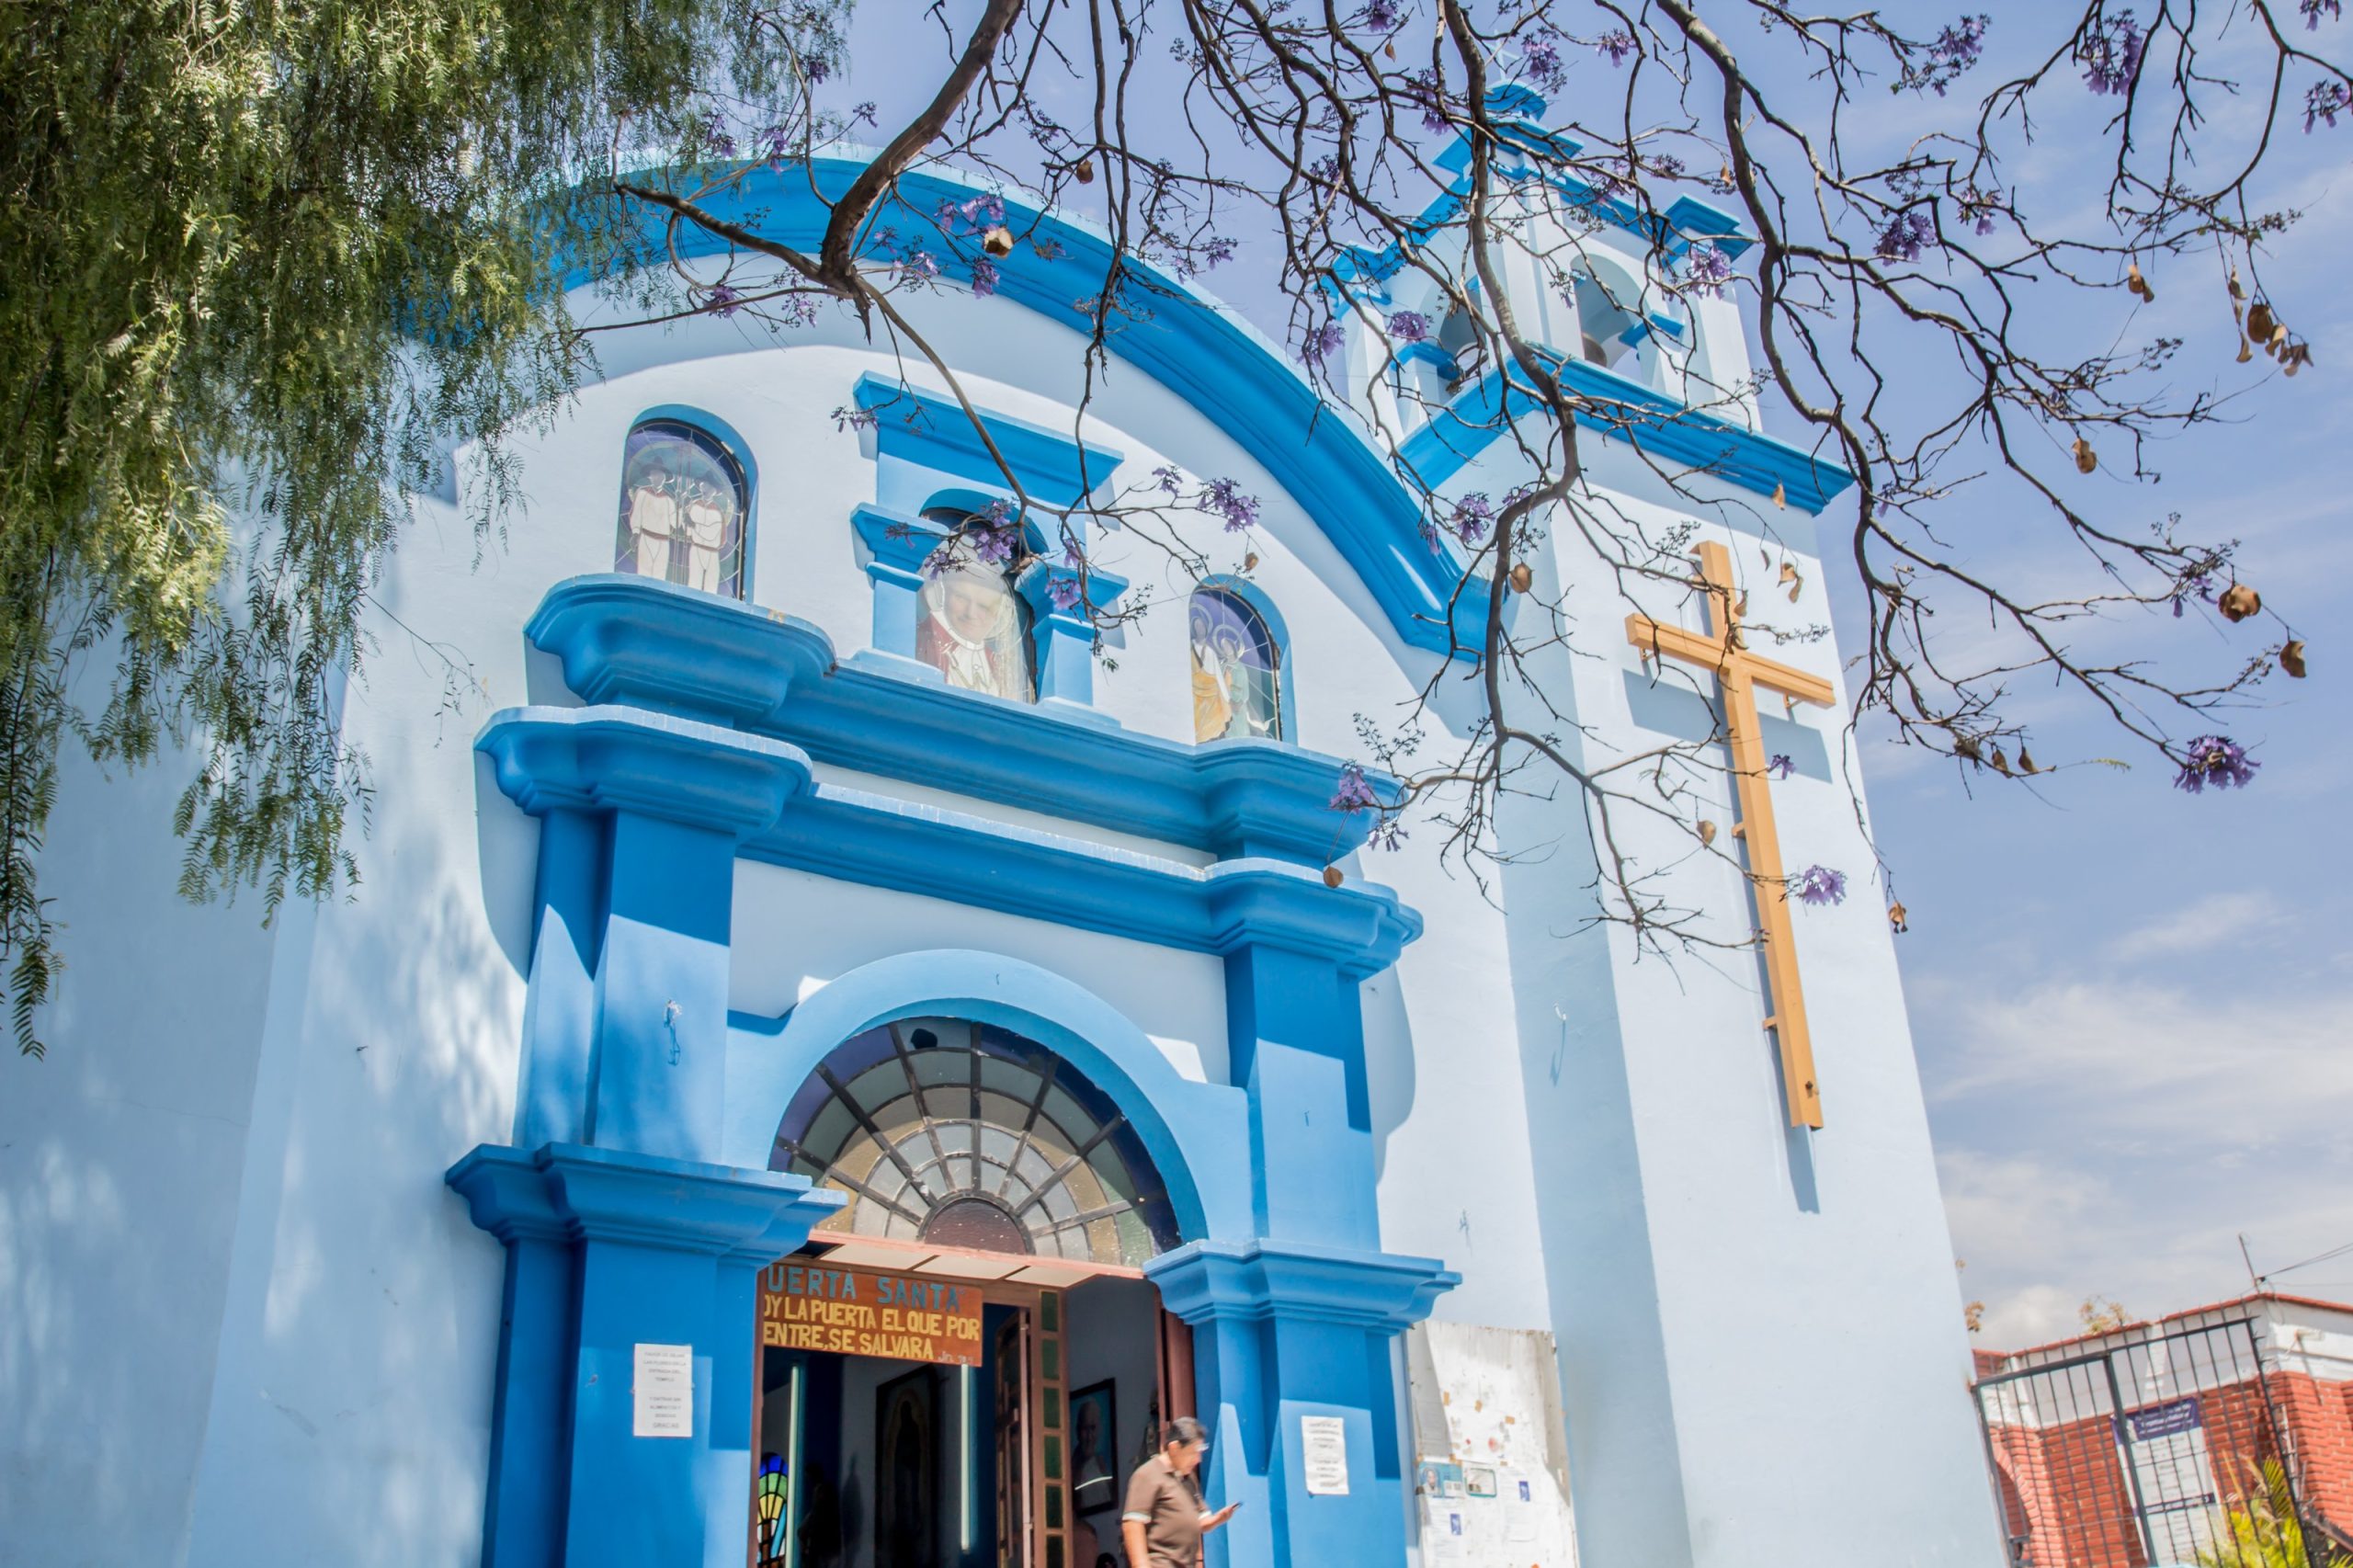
(683, 498)
(1237, 691)
(960, 1134)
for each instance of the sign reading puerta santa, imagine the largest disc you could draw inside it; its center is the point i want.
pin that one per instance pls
(853, 1312)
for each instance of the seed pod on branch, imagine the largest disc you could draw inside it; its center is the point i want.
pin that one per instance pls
(2086, 458)
(2238, 602)
(2291, 658)
(1521, 577)
(998, 242)
(2259, 322)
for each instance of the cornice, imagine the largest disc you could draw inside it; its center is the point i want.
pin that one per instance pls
(629, 639)
(613, 759)
(570, 1192)
(933, 431)
(1624, 410)
(1266, 1279)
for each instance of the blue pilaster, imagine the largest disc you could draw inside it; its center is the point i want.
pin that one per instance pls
(559, 1017)
(1065, 639)
(1283, 1332)
(647, 1250)
(670, 800)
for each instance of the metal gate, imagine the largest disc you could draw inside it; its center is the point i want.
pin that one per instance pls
(2162, 1448)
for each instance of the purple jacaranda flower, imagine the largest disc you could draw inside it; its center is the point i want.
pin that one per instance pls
(2313, 9)
(713, 134)
(1355, 791)
(849, 418)
(1473, 516)
(1325, 170)
(724, 300)
(2199, 583)
(984, 278)
(1065, 591)
(1954, 51)
(1387, 833)
(1074, 552)
(864, 112)
(1539, 62)
(2111, 54)
(995, 546)
(2217, 760)
(1425, 91)
(797, 309)
(1819, 885)
(1168, 479)
(815, 67)
(1225, 497)
(1711, 269)
(1409, 326)
(1904, 236)
(1615, 45)
(1320, 342)
(1383, 16)
(1781, 767)
(1977, 208)
(772, 145)
(2327, 101)
(919, 265)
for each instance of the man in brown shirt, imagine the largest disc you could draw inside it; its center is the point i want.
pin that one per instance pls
(1166, 1516)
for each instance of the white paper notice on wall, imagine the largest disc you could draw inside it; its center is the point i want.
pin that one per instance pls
(664, 1390)
(1324, 1448)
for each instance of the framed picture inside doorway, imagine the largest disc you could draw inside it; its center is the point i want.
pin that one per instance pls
(1095, 1448)
(905, 1465)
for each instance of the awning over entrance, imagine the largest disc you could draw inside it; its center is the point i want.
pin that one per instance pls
(957, 1263)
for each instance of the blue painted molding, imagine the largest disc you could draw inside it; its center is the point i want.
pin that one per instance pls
(1263, 1279)
(1623, 409)
(626, 639)
(576, 1192)
(610, 759)
(931, 430)
(622, 759)
(1196, 1134)
(1189, 342)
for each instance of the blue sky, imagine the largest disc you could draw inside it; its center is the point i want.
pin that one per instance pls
(2133, 1007)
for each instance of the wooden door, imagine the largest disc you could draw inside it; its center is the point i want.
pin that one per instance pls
(1013, 1466)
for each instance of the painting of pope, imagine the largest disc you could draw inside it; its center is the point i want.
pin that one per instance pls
(972, 631)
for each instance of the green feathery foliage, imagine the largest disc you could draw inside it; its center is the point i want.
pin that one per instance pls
(263, 266)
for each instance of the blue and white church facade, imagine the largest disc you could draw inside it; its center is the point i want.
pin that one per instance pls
(773, 917)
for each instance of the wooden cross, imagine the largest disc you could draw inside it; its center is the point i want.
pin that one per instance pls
(1741, 672)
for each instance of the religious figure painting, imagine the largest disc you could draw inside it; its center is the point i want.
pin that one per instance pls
(973, 629)
(1094, 1448)
(903, 1469)
(682, 509)
(1235, 690)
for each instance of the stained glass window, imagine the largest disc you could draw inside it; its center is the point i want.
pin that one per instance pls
(683, 503)
(1236, 687)
(964, 1134)
(972, 627)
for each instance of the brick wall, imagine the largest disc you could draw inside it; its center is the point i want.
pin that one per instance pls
(2062, 1487)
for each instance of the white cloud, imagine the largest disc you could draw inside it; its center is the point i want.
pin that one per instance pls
(2111, 1116)
(2212, 922)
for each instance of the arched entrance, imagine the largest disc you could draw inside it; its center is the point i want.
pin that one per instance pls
(965, 1362)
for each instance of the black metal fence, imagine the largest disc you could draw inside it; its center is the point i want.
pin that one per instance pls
(2162, 1448)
